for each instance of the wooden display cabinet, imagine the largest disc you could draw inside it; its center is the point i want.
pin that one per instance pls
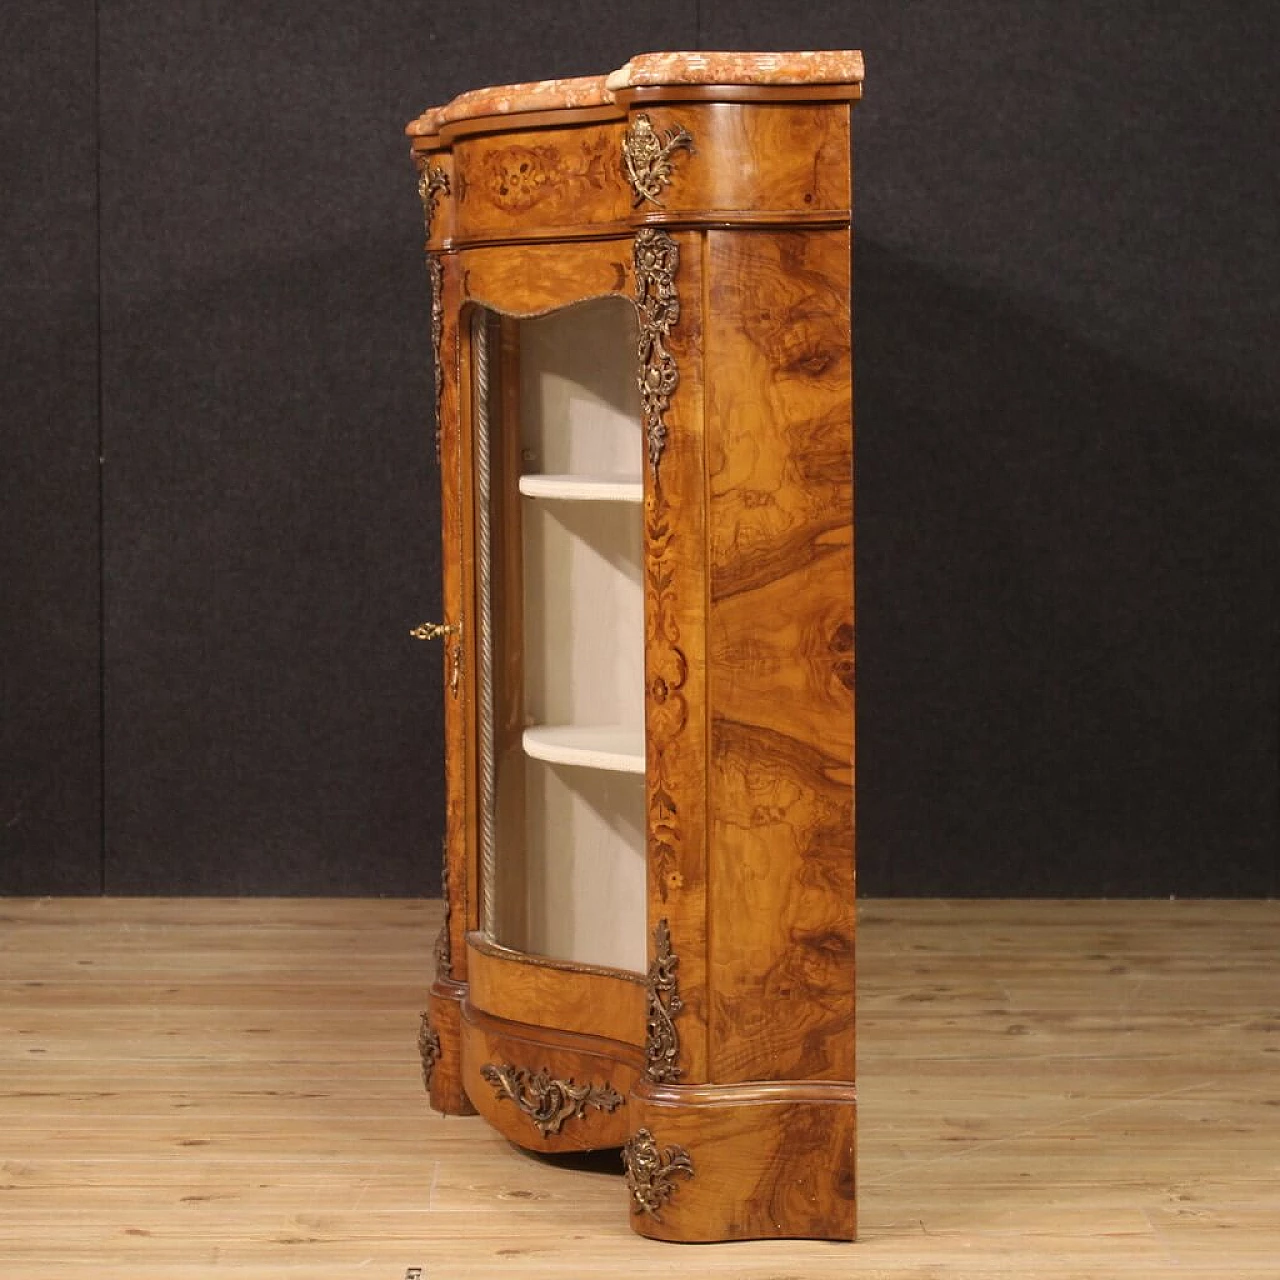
(643, 386)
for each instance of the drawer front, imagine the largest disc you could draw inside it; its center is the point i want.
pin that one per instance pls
(779, 163)
(548, 1091)
(540, 183)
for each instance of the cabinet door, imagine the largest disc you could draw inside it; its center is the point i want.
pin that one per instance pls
(557, 454)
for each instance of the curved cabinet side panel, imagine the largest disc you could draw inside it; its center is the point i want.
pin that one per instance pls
(780, 656)
(714, 1164)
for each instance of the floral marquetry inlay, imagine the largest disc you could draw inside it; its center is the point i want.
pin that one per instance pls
(517, 178)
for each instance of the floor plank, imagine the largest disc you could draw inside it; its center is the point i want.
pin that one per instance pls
(230, 1088)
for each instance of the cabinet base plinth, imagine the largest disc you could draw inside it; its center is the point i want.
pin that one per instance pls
(743, 1162)
(442, 1048)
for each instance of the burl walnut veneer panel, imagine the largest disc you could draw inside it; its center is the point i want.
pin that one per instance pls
(721, 211)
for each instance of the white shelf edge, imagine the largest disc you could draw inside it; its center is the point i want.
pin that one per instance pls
(584, 488)
(610, 747)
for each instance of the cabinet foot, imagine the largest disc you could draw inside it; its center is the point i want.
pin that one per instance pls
(743, 1162)
(440, 1042)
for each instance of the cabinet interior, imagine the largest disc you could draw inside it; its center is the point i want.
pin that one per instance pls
(563, 605)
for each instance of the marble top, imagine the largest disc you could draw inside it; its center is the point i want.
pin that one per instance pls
(810, 66)
(824, 66)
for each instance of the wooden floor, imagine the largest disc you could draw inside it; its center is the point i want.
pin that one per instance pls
(231, 1089)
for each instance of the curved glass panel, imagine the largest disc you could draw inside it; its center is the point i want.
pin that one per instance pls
(560, 611)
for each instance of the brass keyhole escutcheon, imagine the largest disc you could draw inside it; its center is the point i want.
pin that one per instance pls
(438, 631)
(435, 630)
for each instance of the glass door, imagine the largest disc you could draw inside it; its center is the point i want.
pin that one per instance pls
(558, 455)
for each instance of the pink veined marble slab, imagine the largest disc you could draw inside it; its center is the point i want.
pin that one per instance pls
(502, 100)
(811, 66)
(426, 124)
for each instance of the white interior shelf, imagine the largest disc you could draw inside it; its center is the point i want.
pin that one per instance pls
(614, 747)
(584, 488)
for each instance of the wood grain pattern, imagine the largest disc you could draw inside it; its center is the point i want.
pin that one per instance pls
(453, 608)
(559, 1056)
(445, 1087)
(443, 1076)
(675, 682)
(781, 161)
(534, 279)
(780, 657)
(550, 994)
(519, 184)
(762, 1167)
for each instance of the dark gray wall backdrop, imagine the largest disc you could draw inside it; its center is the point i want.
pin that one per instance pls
(1065, 275)
(50, 548)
